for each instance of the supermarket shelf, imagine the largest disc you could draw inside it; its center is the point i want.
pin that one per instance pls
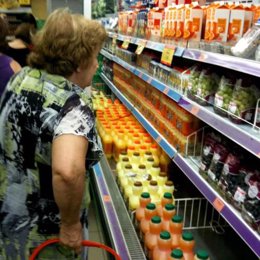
(157, 46)
(121, 231)
(174, 95)
(227, 211)
(16, 10)
(242, 65)
(244, 135)
(146, 124)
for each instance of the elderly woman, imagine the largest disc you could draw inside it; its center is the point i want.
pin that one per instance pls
(8, 66)
(48, 140)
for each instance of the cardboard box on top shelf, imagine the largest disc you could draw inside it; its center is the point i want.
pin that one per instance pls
(155, 16)
(256, 13)
(180, 18)
(169, 22)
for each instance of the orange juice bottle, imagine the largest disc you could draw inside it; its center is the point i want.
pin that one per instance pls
(130, 150)
(144, 200)
(107, 141)
(133, 197)
(176, 254)
(167, 214)
(187, 245)
(150, 238)
(155, 170)
(141, 170)
(146, 181)
(167, 187)
(201, 255)
(164, 162)
(135, 160)
(163, 248)
(123, 179)
(166, 199)
(161, 178)
(149, 212)
(153, 190)
(119, 145)
(122, 155)
(176, 226)
(122, 163)
(149, 162)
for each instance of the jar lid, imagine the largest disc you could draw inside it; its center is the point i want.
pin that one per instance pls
(177, 253)
(169, 183)
(128, 166)
(151, 206)
(153, 183)
(150, 159)
(136, 154)
(156, 219)
(163, 174)
(202, 254)
(145, 195)
(125, 159)
(138, 184)
(148, 153)
(177, 219)
(167, 195)
(141, 166)
(165, 235)
(187, 236)
(123, 153)
(169, 207)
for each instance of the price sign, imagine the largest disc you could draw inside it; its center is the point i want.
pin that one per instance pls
(167, 55)
(114, 39)
(126, 43)
(25, 2)
(106, 198)
(166, 90)
(195, 110)
(218, 204)
(158, 139)
(140, 47)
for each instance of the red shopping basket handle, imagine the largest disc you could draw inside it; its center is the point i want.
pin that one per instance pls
(88, 243)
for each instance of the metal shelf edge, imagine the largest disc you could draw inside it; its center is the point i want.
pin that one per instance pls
(111, 214)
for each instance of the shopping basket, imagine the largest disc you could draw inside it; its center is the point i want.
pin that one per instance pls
(88, 243)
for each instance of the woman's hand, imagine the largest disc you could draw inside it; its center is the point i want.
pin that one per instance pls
(71, 236)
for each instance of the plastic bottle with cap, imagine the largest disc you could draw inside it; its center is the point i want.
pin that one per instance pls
(167, 214)
(146, 180)
(121, 164)
(141, 170)
(176, 254)
(176, 228)
(134, 195)
(144, 200)
(166, 199)
(126, 178)
(150, 238)
(201, 255)
(187, 245)
(149, 162)
(153, 190)
(162, 178)
(155, 170)
(167, 187)
(163, 249)
(149, 212)
(135, 160)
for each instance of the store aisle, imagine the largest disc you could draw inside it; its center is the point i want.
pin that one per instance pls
(95, 234)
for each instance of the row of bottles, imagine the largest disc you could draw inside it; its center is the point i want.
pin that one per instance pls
(161, 230)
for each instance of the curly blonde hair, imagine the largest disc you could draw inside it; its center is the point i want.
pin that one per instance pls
(66, 42)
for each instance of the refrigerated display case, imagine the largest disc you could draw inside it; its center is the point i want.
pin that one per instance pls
(246, 136)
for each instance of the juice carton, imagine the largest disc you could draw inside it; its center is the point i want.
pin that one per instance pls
(180, 16)
(221, 22)
(236, 22)
(193, 22)
(256, 13)
(170, 22)
(132, 22)
(142, 23)
(155, 17)
(248, 18)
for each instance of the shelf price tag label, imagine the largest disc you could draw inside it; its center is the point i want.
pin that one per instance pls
(166, 90)
(195, 110)
(158, 139)
(106, 198)
(218, 204)
(25, 2)
(114, 39)
(167, 55)
(140, 47)
(126, 43)
(149, 80)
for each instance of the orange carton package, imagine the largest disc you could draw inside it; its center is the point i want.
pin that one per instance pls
(221, 22)
(180, 17)
(193, 22)
(165, 3)
(236, 22)
(131, 22)
(256, 13)
(249, 15)
(169, 22)
(155, 16)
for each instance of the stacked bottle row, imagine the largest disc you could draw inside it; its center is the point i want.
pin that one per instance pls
(161, 230)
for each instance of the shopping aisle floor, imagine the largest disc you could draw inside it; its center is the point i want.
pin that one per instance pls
(95, 234)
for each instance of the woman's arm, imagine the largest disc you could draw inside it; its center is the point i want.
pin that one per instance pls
(15, 66)
(68, 170)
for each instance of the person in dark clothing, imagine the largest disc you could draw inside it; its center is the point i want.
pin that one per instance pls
(20, 47)
(8, 66)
